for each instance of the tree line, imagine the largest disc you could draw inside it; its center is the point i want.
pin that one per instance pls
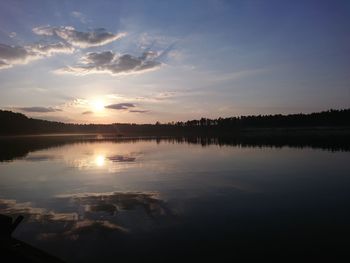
(17, 123)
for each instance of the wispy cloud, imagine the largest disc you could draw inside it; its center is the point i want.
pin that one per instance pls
(39, 109)
(158, 97)
(50, 49)
(87, 112)
(4, 65)
(75, 103)
(114, 64)
(80, 16)
(146, 40)
(12, 34)
(97, 37)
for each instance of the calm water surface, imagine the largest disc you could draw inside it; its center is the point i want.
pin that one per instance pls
(126, 200)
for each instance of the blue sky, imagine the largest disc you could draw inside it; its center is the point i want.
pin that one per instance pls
(143, 61)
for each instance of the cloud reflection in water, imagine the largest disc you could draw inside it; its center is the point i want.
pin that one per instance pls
(92, 213)
(121, 158)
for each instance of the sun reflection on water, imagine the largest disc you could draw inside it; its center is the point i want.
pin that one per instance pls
(106, 157)
(100, 160)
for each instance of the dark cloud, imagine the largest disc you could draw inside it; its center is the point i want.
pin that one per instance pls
(39, 109)
(120, 106)
(139, 111)
(12, 52)
(12, 55)
(87, 112)
(97, 37)
(98, 59)
(125, 106)
(110, 62)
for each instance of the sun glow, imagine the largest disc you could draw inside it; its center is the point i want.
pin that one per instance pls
(100, 160)
(98, 105)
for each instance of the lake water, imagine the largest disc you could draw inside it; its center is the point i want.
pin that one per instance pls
(122, 200)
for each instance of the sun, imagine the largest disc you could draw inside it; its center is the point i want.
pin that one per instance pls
(98, 105)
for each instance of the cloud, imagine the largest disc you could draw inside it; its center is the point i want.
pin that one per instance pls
(80, 16)
(97, 37)
(39, 109)
(12, 34)
(120, 106)
(50, 49)
(87, 112)
(14, 55)
(98, 59)
(146, 40)
(10, 55)
(125, 106)
(75, 103)
(139, 111)
(159, 97)
(114, 64)
(3, 65)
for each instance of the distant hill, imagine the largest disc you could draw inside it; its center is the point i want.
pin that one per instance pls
(16, 123)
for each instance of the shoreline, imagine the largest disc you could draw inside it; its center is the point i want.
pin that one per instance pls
(191, 132)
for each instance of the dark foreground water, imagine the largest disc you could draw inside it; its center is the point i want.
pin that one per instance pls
(123, 200)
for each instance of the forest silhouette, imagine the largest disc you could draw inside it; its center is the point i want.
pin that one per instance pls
(17, 123)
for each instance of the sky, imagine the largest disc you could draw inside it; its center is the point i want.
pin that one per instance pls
(147, 61)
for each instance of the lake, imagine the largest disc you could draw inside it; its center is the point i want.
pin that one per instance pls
(119, 200)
